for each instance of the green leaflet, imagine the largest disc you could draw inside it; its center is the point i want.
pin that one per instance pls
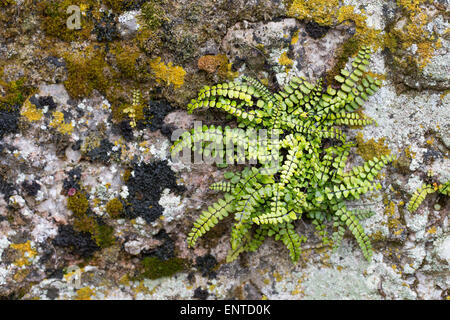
(311, 179)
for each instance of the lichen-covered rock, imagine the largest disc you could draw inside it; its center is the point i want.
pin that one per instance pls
(92, 205)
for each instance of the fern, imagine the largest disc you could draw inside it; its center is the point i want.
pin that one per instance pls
(303, 143)
(420, 194)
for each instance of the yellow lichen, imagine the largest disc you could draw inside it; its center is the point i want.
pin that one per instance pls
(295, 37)
(432, 230)
(285, 61)
(321, 11)
(414, 32)
(371, 148)
(30, 112)
(167, 72)
(328, 13)
(27, 253)
(84, 294)
(410, 154)
(59, 124)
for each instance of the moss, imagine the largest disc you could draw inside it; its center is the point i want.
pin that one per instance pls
(78, 203)
(104, 235)
(122, 5)
(54, 19)
(371, 148)
(114, 207)
(130, 62)
(87, 71)
(154, 268)
(14, 92)
(152, 14)
(101, 233)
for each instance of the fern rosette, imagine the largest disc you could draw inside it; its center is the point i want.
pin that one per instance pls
(298, 167)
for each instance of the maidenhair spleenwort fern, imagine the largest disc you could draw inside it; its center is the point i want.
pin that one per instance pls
(302, 142)
(420, 194)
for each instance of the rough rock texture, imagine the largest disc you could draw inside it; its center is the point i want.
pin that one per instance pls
(91, 205)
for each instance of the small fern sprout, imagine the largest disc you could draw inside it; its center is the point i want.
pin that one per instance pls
(420, 194)
(305, 150)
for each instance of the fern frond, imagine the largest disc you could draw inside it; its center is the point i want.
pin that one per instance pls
(418, 196)
(291, 240)
(444, 188)
(210, 218)
(357, 230)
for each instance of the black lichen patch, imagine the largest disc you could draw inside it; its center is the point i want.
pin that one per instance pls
(9, 119)
(201, 294)
(72, 180)
(31, 188)
(145, 186)
(101, 153)
(206, 265)
(6, 189)
(52, 293)
(315, 30)
(165, 251)
(41, 102)
(106, 27)
(79, 243)
(125, 130)
(154, 115)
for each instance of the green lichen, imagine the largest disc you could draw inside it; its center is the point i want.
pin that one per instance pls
(104, 235)
(154, 268)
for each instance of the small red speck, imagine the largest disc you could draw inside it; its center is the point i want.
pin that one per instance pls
(71, 192)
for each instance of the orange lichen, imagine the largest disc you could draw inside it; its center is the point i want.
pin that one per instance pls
(210, 63)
